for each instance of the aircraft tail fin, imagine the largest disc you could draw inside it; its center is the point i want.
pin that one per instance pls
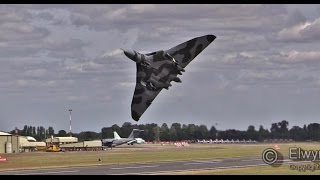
(116, 135)
(135, 133)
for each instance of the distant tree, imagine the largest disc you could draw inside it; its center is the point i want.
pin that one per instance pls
(25, 130)
(251, 133)
(191, 129)
(198, 133)
(233, 134)
(274, 130)
(106, 132)
(164, 132)
(42, 132)
(262, 133)
(143, 134)
(184, 134)
(29, 131)
(251, 129)
(126, 129)
(88, 136)
(297, 133)
(47, 133)
(156, 131)
(314, 131)
(50, 131)
(62, 133)
(149, 131)
(33, 131)
(213, 132)
(283, 125)
(280, 130)
(177, 127)
(284, 131)
(173, 134)
(204, 132)
(117, 129)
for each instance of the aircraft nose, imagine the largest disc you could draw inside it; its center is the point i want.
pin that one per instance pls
(130, 54)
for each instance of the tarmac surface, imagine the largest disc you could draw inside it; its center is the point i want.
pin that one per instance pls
(144, 169)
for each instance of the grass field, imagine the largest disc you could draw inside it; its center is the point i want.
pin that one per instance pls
(153, 153)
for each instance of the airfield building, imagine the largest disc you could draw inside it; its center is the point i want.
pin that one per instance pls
(28, 143)
(58, 141)
(9, 143)
(83, 146)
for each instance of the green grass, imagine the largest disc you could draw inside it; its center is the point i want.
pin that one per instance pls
(143, 154)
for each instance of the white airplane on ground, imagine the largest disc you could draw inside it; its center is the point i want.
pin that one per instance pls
(117, 140)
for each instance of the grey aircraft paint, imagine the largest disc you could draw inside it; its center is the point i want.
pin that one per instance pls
(116, 142)
(156, 70)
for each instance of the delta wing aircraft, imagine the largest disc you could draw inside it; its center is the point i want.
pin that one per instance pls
(156, 70)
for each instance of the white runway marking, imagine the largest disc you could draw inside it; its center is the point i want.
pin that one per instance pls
(203, 162)
(183, 170)
(252, 159)
(134, 167)
(54, 172)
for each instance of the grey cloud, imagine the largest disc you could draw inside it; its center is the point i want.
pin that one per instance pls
(298, 57)
(295, 18)
(18, 36)
(303, 32)
(129, 16)
(46, 16)
(61, 48)
(261, 67)
(36, 73)
(21, 31)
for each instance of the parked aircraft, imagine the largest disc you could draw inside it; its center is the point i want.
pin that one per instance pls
(138, 141)
(117, 140)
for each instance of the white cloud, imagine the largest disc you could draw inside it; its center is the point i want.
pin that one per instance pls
(307, 31)
(115, 52)
(34, 83)
(298, 57)
(36, 73)
(69, 54)
(76, 98)
(143, 8)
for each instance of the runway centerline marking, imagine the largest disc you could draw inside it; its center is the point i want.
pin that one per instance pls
(200, 163)
(203, 162)
(54, 172)
(135, 167)
(252, 159)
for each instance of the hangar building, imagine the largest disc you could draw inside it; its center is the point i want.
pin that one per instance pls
(9, 143)
(60, 140)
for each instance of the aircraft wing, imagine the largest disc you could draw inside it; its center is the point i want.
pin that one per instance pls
(132, 141)
(185, 52)
(142, 97)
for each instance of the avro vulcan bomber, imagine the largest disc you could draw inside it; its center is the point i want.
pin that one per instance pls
(156, 70)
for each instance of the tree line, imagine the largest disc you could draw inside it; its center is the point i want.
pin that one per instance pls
(178, 132)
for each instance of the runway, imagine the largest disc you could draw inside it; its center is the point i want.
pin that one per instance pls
(144, 169)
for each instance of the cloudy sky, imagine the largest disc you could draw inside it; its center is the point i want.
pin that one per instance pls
(263, 67)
